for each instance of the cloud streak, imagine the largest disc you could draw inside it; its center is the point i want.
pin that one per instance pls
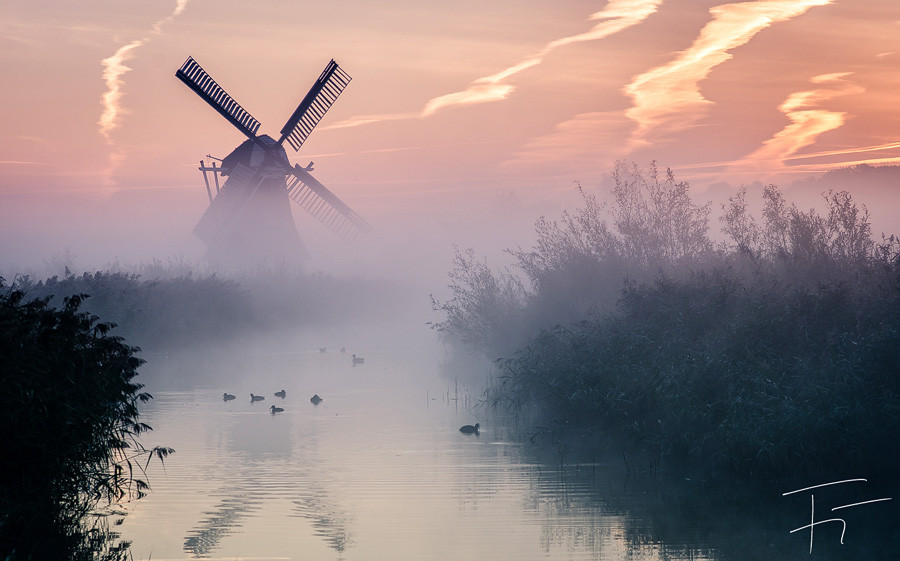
(616, 16)
(114, 69)
(667, 98)
(808, 122)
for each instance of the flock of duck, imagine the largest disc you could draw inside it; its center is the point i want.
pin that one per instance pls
(315, 400)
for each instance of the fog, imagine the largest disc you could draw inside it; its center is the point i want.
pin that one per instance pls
(413, 236)
(389, 275)
(523, 341)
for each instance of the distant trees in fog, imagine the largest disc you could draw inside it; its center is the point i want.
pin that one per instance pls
(179, 310)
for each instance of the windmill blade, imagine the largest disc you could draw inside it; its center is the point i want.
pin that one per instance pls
(212, 93)
(324, 205)
(323, 93)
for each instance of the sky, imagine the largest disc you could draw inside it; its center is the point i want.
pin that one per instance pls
(463, 123)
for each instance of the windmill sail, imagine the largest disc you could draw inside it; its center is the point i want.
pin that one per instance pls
(321, 96)
(203, 85)
(324, 205)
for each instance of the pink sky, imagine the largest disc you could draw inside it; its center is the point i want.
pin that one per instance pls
(464, 120)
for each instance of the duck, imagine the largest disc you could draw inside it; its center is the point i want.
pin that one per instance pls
(227, 397)
(282, 394)
(357, 359)
(276, 409)
(256, 398)
(469, 429)
(315, 400)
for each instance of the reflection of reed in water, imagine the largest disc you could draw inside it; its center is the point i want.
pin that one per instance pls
(227, 516)
(328, 522)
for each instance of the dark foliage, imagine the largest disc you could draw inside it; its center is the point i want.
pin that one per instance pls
(778, 350)
(69, 427)
(754, 379)
(156, 314)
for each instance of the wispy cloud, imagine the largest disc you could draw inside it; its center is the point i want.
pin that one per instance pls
(796, 160)
(667, 99)
(20, 163)
(808, 121)
(587, 141)
(616, 16)
(114, 70)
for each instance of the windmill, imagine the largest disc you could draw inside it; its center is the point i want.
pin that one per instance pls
(249, 217)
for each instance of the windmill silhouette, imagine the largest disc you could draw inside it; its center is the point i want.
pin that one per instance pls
(249, 218)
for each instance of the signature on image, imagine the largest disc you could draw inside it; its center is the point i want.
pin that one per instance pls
(812, 501)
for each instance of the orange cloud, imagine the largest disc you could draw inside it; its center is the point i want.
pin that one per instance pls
(667, 98)
(808, 122)
(616, 16)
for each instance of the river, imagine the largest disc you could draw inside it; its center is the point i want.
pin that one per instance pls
(378, 470)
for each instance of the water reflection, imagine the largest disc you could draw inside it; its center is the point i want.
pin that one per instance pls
(379, 470)
(329, 522)
(223, 520)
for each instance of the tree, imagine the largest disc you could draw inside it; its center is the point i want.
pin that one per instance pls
(656, 220)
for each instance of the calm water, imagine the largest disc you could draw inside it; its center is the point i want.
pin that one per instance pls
(379, 471)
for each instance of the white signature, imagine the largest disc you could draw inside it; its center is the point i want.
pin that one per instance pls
(812, 500)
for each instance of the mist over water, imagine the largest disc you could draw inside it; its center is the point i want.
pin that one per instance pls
(653, 358)
(379, 469)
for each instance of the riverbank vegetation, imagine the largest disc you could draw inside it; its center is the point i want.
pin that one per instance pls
(70, 430)
(774, 349)
(169, 308)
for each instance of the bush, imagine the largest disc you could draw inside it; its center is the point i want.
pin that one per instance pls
(758, 380)
(484, 310)
(68, 421)
(579, 263)
(761, 355)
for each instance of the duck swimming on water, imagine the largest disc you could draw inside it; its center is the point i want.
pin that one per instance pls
(281, 394)
(315, 400)
(256, 398)
(469, 429)
(227, 397)
(276, 409)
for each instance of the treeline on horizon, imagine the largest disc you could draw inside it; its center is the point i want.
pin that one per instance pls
(166, 307)
(773, 351)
